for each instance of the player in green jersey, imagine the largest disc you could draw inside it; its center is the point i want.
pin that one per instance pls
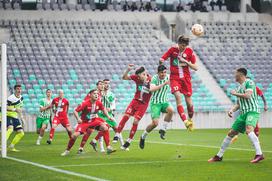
(159, 103)
(44, 116)
(249, 115)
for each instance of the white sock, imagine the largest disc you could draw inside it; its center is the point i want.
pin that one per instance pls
(224, 146)
(117, 134)
(129, 140)
(94, 141)
(145, 133)
(164, 126)
(40, 138)
(255, 141)
(11, 145)
(101, 143)
(121, 139)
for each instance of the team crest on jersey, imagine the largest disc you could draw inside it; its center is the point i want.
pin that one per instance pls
(176, 62)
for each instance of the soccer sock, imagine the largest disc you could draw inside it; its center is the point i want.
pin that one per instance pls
(257, 130)
(181, 112)
(122, 123)
(51, 134)
(70, 144)
(164, 126)
(17, 138)
(255, 141)
(129, 140)
(106, 137)
(190, 111)
(84, 139)
(133, 131)
(40, 138)
(121, 139)
(101, 143)
(224, 145)
(144, 135)
(70, 134)
(98, 136)
(9, 131)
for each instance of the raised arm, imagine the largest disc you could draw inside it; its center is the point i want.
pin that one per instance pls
(125, 74)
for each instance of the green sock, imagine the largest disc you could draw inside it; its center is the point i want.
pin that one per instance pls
(17, 138)
(9, 131)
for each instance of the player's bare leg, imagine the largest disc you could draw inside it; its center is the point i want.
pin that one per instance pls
(84, 140)
(188, 124)
(70, 143)
(131, 134)
(190, 109)
(51, 134)
(41, 134)
(167, 119)
(120, 127)
(226, 142)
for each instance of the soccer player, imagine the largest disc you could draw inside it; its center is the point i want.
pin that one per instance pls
(44, 116)
(60, 106)
(91, 106)
(248, 118)
(138, 105)
(159, 103)
(182, 59)
(108, 100)
(15, 119)
(257, 128)
(100, 89)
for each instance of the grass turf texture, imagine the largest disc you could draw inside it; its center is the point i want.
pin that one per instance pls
(156, 162)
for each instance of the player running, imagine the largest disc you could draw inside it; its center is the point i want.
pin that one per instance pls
(60, 106)
(159, 103)
(138, 105)
(248, 118)
(257, 128)
(108, 100)
(15, 119)
(44, 116)
(182, 59)
(100, 89)
(91, 106)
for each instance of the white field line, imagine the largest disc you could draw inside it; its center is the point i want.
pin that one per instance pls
(204, 146)
(56, 169)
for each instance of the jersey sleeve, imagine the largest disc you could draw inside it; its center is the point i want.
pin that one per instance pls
(259, 91)
(167, 54)
(193, 58)
(42, 103)
(187, 53)
(133, 77)
(80, 107)
(250, 85)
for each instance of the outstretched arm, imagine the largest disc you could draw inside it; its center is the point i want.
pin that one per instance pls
(125, 74)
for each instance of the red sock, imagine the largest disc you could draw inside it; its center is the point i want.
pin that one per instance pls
(133, 131)
(84, 139)
(181, 112)
(70, 143)
(190, 111)
(70, 134)
(122, 123)
(100, 133)
(257, 130)
(106, 136)
(51, 135)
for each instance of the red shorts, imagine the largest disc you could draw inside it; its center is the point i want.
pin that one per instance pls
(182, 85)
(82, 127)
(61, 120)
(137, 109)
(96, 122)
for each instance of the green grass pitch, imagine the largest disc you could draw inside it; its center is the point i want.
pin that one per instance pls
(182, 156)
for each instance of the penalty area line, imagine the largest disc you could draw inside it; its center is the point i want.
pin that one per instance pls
(204, 146)
(56, 169)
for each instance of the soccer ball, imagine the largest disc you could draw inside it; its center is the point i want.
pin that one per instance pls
(197, 30)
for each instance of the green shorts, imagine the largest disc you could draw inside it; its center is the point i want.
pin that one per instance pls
(243, 120)
(111, 123)
(41, 121)
(156, 109)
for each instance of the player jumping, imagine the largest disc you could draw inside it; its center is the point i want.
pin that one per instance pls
(138, 105)
(182, 59)
(248, 118)
(159, 103)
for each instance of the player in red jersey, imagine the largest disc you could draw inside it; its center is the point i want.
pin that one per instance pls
(138, 105)
(91, 106)
(60, 106)
(182, 59)
(100, 89)
(257, 128)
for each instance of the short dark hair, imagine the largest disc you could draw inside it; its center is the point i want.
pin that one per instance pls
(140, 70)
(182, 39)
(243, 71)
(92, 90)
(161, 68)
(100, 81)
(17, 85)
(106, 80)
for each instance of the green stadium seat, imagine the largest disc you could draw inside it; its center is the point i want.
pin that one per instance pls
(32, 77)
(16, 73)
